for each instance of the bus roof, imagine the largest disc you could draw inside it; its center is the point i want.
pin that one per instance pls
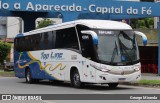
(95, 24)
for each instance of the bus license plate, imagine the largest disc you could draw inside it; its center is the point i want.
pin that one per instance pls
(121, 79)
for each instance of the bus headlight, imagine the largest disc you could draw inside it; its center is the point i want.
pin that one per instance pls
(103, 69)
(137, 68)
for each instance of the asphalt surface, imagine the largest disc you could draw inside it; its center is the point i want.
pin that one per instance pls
(13, 85)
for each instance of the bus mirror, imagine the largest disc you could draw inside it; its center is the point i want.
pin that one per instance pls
(93, 34)
(144, 37)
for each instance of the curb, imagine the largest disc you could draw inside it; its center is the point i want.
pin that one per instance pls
(143, 85)
(7, 75)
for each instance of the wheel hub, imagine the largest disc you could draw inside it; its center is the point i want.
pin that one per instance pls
(76, 78)
(28, 77)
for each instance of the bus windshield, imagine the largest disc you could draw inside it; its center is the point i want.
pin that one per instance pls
(117, 47)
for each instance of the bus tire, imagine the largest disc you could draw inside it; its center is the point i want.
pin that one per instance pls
(75, 79)
(29, 76)
(113, 85)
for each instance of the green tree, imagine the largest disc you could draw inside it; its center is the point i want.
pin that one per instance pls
(44, 23)
(146, 23)
(4, 51)
(142, 23)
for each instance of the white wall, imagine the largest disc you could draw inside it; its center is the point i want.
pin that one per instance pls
(12, 27)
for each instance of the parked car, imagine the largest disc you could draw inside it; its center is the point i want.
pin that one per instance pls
(8, 66)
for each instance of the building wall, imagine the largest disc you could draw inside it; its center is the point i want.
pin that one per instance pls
(9, 27)
(3, 30)
(12, 26)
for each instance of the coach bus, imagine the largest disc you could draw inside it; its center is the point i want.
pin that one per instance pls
(80, 52)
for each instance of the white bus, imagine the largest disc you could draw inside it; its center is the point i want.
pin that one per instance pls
(81, 51)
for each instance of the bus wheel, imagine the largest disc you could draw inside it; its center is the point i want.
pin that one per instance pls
(28, 76)
(75, 79)
(113, 85)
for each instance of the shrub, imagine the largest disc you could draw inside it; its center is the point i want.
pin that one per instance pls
(4, 51)
(45, 23)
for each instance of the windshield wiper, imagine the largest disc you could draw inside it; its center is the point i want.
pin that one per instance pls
(124, 49)
(113, 54)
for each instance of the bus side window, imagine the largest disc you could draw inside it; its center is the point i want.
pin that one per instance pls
(21, 49)
(27, 43)
(16, 44)
(37, 41)
(30, 48)
(50, 40)
(24, 44)
(34, 40)
(59, 39)
(87, 47)
(47, 40)
(86, 43)
(31, 43)
(67, 38)
(53, 39)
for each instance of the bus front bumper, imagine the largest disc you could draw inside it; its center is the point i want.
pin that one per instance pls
(112, 78)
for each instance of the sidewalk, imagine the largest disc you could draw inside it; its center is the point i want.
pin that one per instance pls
(150, 76)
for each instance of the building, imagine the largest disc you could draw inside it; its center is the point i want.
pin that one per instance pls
(3, 27)
(11, 26)
(14, 26)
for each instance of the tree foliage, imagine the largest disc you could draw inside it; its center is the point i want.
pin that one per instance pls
(142, 23)
(146, 23)
(44, 23)
(4, 50)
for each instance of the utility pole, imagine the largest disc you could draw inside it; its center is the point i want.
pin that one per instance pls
(156, 18)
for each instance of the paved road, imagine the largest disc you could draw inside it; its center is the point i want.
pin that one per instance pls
(18, 86)
(10, 85)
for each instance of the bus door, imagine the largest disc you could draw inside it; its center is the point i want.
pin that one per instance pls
(88, 53)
